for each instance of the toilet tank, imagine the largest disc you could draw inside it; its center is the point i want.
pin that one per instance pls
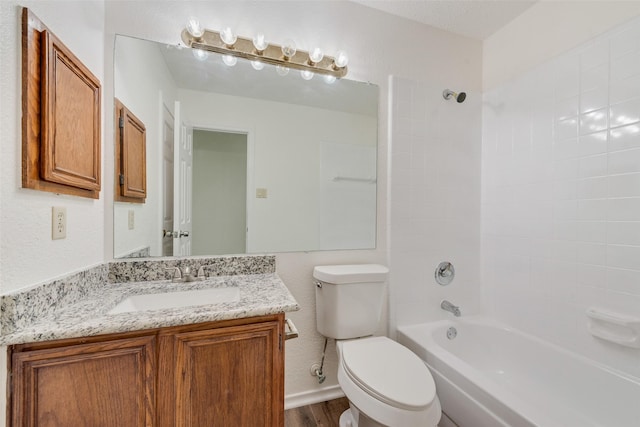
(349, 299)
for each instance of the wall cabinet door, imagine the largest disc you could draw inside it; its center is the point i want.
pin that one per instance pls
(229, 376)
(101, 384)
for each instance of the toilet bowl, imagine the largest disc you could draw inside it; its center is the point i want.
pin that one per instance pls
(386, 384)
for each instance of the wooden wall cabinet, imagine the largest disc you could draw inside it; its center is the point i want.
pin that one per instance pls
(213, 374)
(131, 157)
(61, 116)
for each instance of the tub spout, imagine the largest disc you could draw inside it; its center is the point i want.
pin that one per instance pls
(447, 306)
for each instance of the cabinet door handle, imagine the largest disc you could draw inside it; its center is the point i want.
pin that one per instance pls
(292, 332)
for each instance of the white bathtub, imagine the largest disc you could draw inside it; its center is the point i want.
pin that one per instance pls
(491, 375)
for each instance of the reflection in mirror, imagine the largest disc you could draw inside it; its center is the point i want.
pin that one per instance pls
(241, 159)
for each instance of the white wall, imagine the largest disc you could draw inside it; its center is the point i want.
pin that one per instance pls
(561, 194)
(141, 92)
(545, 30)
(28, 255)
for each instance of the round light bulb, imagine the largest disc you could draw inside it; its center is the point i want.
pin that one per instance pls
(306, 74)
(341, 60)
(200, 54)
(229, 60)
(257, 65)
(289, 48)
(316, 55)
(194, 28)
(228, 37)
(282, 71)
(260, 43)
(329, 79)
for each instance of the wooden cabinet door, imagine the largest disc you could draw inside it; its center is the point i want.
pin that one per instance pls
(100, 384)
(229, 376)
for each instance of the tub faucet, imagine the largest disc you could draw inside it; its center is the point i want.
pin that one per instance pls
(447, 306)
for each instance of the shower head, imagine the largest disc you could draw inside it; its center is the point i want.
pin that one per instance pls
(460, 97)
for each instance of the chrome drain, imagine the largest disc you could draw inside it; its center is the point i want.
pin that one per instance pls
(452, 333)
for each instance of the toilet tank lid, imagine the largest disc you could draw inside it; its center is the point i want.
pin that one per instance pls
(353, 273)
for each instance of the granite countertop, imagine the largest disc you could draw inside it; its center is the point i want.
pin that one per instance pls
(259, 294)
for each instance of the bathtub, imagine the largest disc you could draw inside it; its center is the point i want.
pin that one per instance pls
(491, 375)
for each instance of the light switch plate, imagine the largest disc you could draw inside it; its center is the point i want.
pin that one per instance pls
(261, 193)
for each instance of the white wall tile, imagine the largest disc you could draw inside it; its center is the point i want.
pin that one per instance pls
(625, 113)
(625, 66)
(624, 137)
(583, 242)
(623, 209)
(594, 99)
(624, 233)
(624, 185)
(592, 166)
(592, 210)
(594, 78)
(624, 280)
(594, 121)
(594, 54)
(591, 188)
(627, 161)
(625, 42)
(622, 90)
(595, 143)
(627, 257)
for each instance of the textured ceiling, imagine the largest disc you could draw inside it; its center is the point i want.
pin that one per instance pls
(472, 18)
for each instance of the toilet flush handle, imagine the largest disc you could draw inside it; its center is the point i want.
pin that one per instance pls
(318, 284)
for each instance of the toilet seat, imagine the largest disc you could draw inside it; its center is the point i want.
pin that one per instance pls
(389, 372)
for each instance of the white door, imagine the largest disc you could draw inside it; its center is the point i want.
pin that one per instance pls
(168, 137)
(183, 176)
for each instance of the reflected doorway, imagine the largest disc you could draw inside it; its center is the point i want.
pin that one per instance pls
(219, 192)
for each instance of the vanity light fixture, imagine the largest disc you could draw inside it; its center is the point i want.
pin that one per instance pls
(258, 49)
(200, 54)
(260, 43)
(228, 37)
(257, 65)
(229, 60)
(315, 56)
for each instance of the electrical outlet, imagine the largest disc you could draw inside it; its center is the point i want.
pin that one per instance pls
(58, 223)
(132, 223)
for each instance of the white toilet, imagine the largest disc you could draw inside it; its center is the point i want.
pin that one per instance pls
(386, 384)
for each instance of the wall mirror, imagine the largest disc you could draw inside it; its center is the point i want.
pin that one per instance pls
(245, 157)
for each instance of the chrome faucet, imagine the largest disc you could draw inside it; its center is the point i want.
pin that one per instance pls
(186, 275)
(447, 306)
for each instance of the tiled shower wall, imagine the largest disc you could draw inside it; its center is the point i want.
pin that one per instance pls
(434, 200)
(561, 195)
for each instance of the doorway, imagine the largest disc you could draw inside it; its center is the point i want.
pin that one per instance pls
(219, 192)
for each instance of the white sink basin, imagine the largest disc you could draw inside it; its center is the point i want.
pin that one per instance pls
(165, 300)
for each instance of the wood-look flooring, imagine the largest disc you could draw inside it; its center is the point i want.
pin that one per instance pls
(324, 414)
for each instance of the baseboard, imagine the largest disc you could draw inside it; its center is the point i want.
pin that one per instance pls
(314, 396)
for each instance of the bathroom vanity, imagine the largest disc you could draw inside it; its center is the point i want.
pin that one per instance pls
(95, 359)
(209, 374)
